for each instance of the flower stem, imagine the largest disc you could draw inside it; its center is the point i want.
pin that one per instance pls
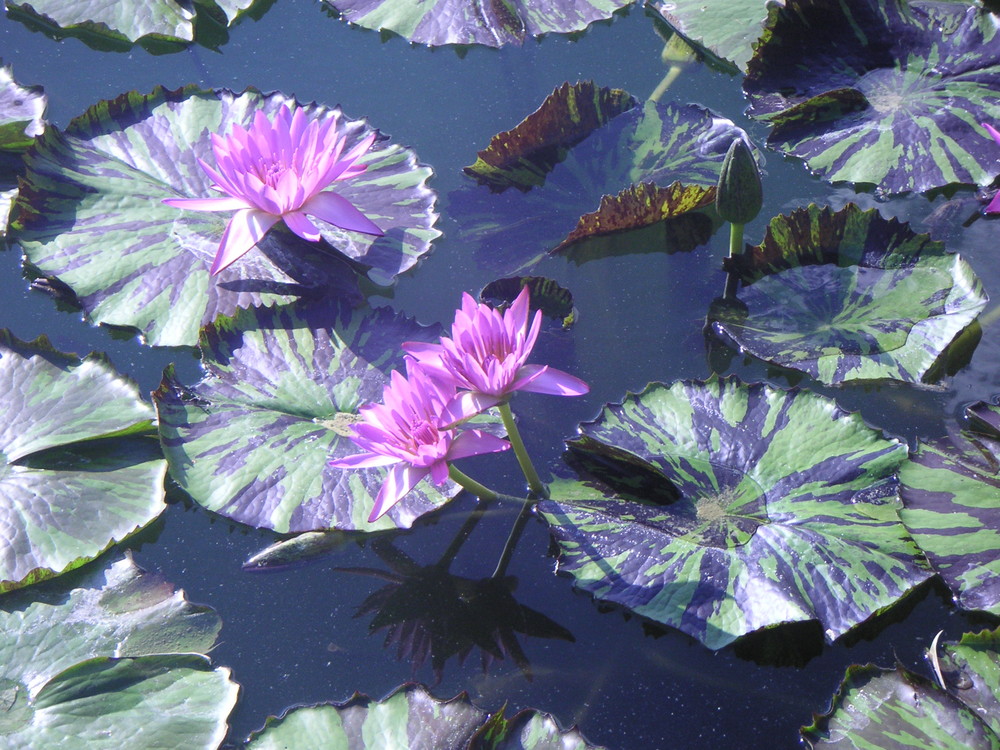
(470, 484)
(514, 435)
(735, 248)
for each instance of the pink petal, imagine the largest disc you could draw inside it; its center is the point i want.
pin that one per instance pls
(544, 379)
(467, 404)
(207, 204)
(994, 206)
(298, 223)
(246, 228)
(475, 443)
(401, 479)
(340, 212)
(993, 132)
(362, 461)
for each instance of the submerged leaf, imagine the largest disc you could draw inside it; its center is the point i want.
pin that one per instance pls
(493, 23)
(950, 492)
(282, 387)
(90, 215)
(78, 470)
(720, 508)
(849, 296)
(892, 93)
(119, 654)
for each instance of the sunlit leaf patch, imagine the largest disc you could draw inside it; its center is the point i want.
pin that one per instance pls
(951, 499)
(21, 113)
(111, 655)
(719, 508)
(90, 215)
(411, 717)
(849, 295)
(124, 21)
(621, 176)
(79, 468)
(726, 29)
(282, 386)
(891, 93)
(494, 24)
(899, 708)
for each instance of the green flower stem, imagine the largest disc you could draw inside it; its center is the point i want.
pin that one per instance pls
(735, 248)
(513, 434)
(470, 484)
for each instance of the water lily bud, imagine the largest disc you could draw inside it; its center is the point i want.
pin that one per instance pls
(740, 194)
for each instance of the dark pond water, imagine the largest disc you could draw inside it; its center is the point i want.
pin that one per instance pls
(292, 636)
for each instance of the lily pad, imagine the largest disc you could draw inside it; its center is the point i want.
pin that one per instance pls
(78, 470)
(89, 215)
(950, 492)
(849, 296)
(117, 654)
(412, 718)
(898, 708)
(124, 20)
(726, 29)
(658, 144)
(720, 508)
(282, 386)
(891, 94)
(21, 113)
(493, 24)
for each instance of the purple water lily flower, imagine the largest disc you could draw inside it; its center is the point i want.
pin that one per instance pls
(406, 432)
(994, 205)
(486, 354)
(276, 171)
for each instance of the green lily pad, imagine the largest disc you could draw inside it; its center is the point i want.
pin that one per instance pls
(849, 296)
(117, 654)
(412, 718)
(90, 215)
(897, 708)
(282, 386)
(728, 29)
(642, 151)
(720, 508)
(21, 113)
(950, 492)
(494, 24)
(891, 94)
(124, 20)
(78, 470)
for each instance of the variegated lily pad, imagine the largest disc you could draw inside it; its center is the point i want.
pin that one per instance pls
(412, 718)
(437, 22)
(727, 29)
(78, 468)
(951, 498)
(849, 296)
(657, 144)
(897, 708)
(90, 215)
(892, 93)
(21, 113)
(719, 508)
(118, 656)
(282, 386)
(125, 20)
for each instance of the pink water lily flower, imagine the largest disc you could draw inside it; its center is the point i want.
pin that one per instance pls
(994, 206)
(406, 432)
(485, 357)
(276, 171)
